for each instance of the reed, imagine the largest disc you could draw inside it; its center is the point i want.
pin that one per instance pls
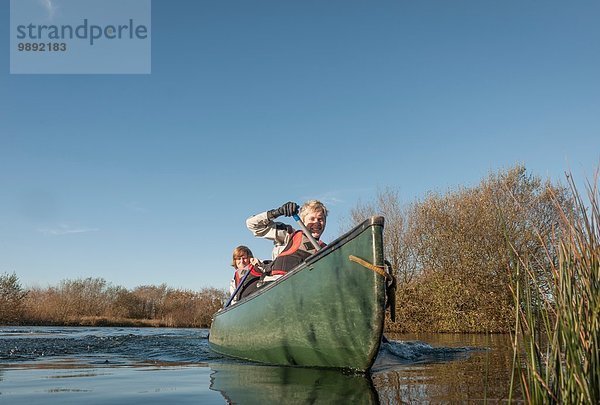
(557, 327)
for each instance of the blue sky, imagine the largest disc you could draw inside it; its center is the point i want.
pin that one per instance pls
(145, 179)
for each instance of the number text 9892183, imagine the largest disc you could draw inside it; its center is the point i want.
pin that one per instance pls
(42, 47)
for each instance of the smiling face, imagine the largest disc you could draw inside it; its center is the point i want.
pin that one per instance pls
(315, 222)
(241, 257)
(242, 261)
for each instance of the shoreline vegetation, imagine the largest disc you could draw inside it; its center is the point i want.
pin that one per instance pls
(556, 337)
(95, 302)
(455, 253)
(512, 254)
(455, 256)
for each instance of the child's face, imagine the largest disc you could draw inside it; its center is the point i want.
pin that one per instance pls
(242, 261)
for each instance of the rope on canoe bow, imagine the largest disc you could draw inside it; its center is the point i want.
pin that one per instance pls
(377, 269)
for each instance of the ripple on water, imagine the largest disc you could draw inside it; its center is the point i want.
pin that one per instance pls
(135, 344)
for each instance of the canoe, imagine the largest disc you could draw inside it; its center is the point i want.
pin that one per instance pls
(327, 312)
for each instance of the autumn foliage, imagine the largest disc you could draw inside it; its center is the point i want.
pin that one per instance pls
(94, 301)
(454, 252)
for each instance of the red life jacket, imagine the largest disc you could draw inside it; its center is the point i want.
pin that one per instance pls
(298, 249)
(253, 274)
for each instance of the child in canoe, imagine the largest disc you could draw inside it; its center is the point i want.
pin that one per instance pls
(243, 261)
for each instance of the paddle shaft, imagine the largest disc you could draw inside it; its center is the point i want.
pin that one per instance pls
(307, 232)
(237, 289)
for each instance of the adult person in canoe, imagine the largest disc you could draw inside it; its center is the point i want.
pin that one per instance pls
(243, 261)
(291, 247)
(263, 225)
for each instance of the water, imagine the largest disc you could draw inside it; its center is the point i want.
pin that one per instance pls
(130, 365)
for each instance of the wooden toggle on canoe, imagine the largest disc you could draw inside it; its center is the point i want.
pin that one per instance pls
(327, 312)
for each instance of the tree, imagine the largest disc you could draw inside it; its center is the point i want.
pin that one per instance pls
(12, 296)
(455, 252)
(465, 242)
(191, 308)
(152, 300)
(85, 297)
(396, 250)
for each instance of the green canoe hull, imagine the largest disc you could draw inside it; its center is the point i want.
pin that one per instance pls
(327, 312)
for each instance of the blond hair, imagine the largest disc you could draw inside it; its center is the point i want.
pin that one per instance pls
(239, 252)
(312, 206)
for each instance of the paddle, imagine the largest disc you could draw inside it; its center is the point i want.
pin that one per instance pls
(237, 289)
(307, 232)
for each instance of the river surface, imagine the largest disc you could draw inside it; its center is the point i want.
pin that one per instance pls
(80, 365)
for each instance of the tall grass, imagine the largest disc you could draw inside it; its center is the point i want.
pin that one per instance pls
(557, 329)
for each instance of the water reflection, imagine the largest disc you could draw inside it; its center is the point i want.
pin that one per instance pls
(453, 369)
(409, 369)
(259, 384)
(126, 364)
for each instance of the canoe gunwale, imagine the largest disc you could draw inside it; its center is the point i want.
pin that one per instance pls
(342, 240)
(337, 243)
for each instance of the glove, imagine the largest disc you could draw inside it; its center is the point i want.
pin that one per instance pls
(288, 209)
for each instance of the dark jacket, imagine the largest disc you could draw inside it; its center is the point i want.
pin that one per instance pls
(298, 249)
